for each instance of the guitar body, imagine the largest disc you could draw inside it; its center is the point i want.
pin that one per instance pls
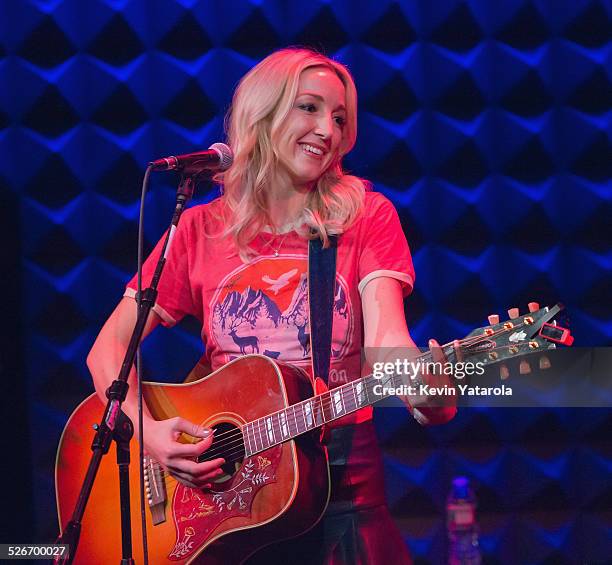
(276, 494)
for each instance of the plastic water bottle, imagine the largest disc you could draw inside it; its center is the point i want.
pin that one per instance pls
(462, 526)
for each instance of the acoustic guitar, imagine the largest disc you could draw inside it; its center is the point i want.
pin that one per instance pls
(266, 421)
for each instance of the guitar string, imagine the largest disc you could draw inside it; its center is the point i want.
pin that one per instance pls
(233, 436)
(235, 450)
(328, 401)
(468, 341)
(218, 449)
(236, 453)
(238, 436)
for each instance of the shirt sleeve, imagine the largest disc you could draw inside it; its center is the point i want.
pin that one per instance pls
(385, 251)
(175, 296)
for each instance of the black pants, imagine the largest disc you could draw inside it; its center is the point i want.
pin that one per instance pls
(357, 527)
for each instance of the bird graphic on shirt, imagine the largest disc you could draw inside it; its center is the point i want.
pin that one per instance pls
(281, 282)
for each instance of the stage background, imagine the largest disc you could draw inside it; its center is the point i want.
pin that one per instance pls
(487, 124)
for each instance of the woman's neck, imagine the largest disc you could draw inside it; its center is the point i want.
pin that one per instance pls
(285, 203)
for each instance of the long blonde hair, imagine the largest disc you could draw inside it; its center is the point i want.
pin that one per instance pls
(261, 103)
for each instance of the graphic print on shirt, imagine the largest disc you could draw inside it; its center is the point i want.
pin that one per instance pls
(262, 307)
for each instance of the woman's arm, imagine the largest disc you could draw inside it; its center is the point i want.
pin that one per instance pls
(385, 328)
(160, 437)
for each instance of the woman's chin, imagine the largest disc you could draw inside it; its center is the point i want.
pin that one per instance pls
(303, 180)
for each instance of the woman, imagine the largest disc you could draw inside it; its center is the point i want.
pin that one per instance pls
(239, 265)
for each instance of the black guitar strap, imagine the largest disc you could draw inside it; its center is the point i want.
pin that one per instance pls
(321, 291)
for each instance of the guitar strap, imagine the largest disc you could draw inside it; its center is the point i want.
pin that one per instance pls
(321, 292)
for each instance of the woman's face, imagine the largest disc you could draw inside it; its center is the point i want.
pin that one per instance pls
(312, 132)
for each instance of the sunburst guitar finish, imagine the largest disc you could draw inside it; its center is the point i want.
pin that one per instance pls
(265, 497)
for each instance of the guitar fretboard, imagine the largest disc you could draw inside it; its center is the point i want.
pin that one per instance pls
(286, 424)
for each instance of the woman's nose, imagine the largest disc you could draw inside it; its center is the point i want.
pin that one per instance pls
(324, 126)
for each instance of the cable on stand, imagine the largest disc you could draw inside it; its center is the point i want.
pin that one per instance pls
(115, 425)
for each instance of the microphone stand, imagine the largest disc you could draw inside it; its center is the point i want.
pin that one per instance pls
(115, 424)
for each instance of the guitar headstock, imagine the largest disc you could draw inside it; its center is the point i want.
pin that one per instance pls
(537, 330)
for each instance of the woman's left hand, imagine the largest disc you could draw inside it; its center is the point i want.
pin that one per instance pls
(436, 402)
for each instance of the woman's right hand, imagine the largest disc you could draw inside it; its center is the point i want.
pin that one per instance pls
(161, 438)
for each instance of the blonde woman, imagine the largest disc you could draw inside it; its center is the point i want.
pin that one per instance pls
(239, 265)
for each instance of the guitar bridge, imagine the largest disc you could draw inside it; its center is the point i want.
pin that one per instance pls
(155, 490)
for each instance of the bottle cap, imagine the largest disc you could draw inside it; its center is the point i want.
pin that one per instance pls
(461, 488)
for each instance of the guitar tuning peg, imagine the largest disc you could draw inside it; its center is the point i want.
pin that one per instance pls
(493, 319)
(544, 362)
(524, 367)
(533, 306)
(504, 372)
(513, 313)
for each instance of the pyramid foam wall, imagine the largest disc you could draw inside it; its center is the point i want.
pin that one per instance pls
(487, 124)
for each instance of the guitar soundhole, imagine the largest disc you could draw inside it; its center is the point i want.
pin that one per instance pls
(227, 443)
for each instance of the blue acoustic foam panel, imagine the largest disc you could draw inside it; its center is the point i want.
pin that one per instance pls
(487, 124)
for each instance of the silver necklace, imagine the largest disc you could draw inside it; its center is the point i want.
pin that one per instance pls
(277, 249)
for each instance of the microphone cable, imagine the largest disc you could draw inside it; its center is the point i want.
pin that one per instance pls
(143, 509)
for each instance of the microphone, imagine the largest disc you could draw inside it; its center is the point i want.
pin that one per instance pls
(218, 157)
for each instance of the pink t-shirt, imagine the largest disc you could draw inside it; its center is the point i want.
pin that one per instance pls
(262, 307)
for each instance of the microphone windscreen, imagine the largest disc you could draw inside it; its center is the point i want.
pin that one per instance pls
(226, 155)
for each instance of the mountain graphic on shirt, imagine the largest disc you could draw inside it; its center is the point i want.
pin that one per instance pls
(297, 311)
(248, 306)
(251, 313)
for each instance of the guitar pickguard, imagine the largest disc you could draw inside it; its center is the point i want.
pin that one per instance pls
(197, 513)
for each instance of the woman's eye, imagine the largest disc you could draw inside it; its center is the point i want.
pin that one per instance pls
(308, 107)
(340, 120)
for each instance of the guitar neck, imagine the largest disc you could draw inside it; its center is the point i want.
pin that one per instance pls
(302, 417)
